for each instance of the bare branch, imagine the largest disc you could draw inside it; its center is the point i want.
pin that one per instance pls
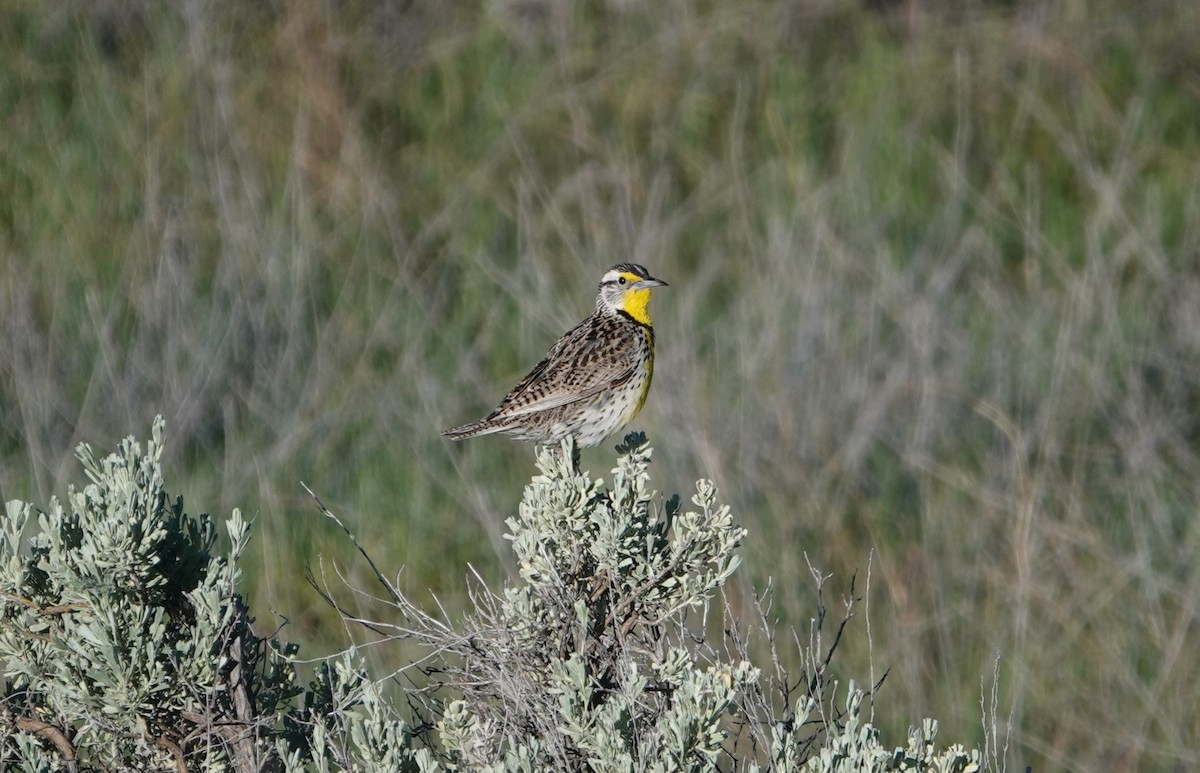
(55, 736)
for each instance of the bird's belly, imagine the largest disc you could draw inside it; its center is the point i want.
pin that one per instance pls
(594, 422)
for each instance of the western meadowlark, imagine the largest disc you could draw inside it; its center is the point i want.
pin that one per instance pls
(594, 380)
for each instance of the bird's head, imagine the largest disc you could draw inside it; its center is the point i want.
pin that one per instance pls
(626, 287)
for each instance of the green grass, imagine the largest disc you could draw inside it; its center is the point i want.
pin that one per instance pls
(933, 295)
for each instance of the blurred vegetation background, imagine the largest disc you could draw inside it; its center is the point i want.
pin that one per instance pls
(934, 305)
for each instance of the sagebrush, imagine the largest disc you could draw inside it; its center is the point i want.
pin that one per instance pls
(127, 646)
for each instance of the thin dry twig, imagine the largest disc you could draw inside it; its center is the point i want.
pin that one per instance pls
(175, 752)
(52, 609)
(396, 597)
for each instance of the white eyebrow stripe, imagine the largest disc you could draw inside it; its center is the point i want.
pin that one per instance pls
(611, 276)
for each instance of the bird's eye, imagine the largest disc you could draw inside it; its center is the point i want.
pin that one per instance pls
(621, 280)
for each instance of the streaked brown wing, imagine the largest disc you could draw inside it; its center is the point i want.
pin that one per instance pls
(590, 358)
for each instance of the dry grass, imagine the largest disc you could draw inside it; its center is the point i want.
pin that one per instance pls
(934, 295)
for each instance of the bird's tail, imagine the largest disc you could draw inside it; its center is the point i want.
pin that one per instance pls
(474, 429)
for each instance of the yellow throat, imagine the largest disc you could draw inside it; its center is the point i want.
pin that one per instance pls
(637, 305)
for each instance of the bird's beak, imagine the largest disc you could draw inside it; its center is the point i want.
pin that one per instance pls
(646, 284)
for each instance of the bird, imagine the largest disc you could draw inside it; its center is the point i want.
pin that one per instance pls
(595, 378)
